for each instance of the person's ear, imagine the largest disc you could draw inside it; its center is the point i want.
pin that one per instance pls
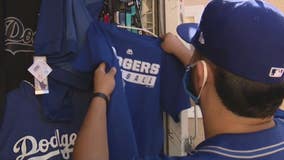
(201, 75)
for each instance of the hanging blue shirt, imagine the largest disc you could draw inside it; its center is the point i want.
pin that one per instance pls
(152, 80)
(26, 133)
(63, 24)
(121, 138)
(60, 43)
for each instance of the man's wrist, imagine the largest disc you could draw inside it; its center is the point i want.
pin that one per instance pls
(103, 96)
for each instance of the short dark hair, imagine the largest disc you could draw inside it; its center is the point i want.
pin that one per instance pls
(247, 98)
(244, 97)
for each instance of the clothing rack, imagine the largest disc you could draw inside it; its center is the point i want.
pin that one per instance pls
(135, 15)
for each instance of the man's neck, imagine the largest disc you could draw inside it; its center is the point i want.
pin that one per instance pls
(218, 120)
(222, 121)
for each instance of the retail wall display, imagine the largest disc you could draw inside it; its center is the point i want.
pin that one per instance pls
(45, 126)
(131, 13)
(152, 82)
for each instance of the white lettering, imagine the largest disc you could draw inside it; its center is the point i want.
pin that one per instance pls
(137, 78)
(21, 145)
(155, 69)
(145, 67)
(53, 142)
(18, 37)
(136, 66)
(29, 147)
(120, 60)
(139, 66)
(127, 63)
(43, 145)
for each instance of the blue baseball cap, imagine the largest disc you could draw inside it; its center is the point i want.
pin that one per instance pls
(244, 37)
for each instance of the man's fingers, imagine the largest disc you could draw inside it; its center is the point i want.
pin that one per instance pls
(112, 71)
(102, 67)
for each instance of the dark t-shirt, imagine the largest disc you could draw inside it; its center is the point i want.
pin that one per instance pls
(18, 21)
(20, 27)
(1, 27)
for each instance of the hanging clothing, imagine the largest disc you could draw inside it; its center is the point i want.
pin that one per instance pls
(63, 26)
(51, 27)
(25, 133)
(94, 7)
(20, 28)
(2, 71)
(2, 29)
(120, 130)
(60, 57)
(3, 91)
(152, 81)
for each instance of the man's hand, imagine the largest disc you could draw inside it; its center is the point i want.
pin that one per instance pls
(92, 140)
(171, 43)
(104, 82)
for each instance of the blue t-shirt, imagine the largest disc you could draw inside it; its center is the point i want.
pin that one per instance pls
(152, 80)
(26, 133)
(63, 24)
(263, 145)
(56, 40)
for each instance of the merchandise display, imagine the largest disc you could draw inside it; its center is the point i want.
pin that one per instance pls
(152, 80)
(25, 133)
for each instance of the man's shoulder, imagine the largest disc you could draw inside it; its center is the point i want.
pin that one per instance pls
(206, 156)
(245, 146)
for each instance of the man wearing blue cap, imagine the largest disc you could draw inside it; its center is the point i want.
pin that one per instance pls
(236, 75)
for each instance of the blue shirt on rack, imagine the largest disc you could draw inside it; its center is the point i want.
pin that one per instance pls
(152, 80)
(26, 133)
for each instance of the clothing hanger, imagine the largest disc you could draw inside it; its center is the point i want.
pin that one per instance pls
(139, 29)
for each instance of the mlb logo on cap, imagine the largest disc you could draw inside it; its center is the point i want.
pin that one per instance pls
(276, 72)
(244, 37)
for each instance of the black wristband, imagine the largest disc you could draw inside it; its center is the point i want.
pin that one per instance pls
(101, 95)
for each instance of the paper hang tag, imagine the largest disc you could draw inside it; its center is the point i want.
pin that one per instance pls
(40, 69)
(41, 87)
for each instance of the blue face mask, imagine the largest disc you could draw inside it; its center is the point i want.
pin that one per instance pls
(188, 83)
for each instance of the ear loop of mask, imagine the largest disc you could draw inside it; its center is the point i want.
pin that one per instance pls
(189, 146)
(205, 75)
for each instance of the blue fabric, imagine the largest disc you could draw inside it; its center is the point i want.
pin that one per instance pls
(57, 106)
(279, 114)
(94, 7)
(121, 138)
(263, 145)
(26, 133)
(62, 30)
(242, 36)
(152, 81)
(51, 28)
(78, 20)
(63, 25)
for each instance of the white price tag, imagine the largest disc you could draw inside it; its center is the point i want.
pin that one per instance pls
(40, 69)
